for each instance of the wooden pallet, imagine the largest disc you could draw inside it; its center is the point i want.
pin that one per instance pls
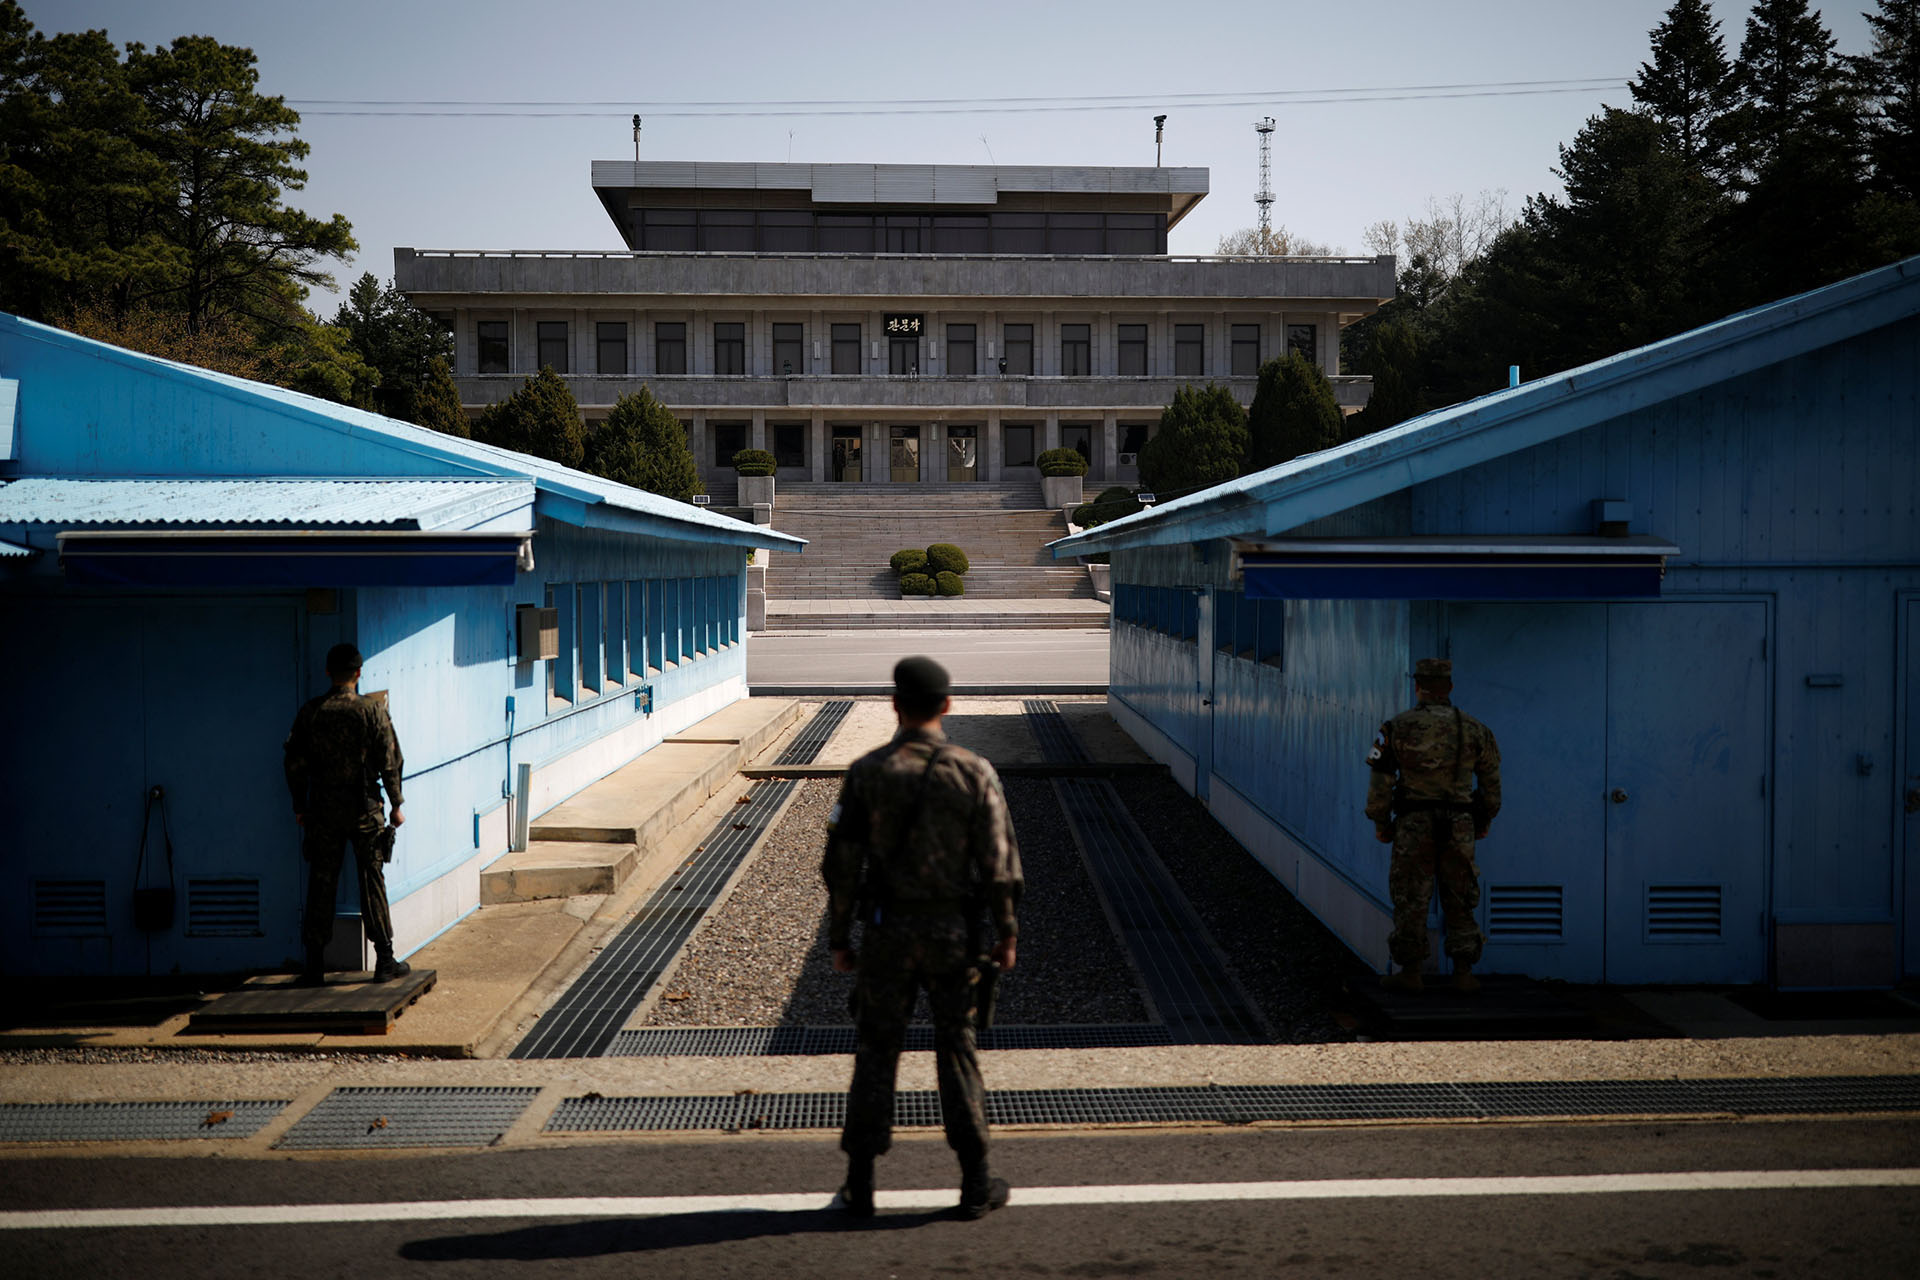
(349, 1004)
(1505, 1005)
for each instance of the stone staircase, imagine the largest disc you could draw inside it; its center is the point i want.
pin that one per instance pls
(852, 530)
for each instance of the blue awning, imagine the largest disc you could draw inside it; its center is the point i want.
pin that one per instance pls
(1454, 568)
(228, 558)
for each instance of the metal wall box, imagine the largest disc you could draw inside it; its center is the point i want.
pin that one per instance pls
(537, 631)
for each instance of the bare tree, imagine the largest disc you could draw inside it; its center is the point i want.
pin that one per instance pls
(1248, 242)
(1455, 231)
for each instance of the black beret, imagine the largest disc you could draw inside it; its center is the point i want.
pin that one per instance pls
(921, 680)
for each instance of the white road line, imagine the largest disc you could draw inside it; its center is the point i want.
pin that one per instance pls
(1029, 1197)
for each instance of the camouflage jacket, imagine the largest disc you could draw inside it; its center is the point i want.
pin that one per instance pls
(913, 829)
(1430, 757)
(340, 752)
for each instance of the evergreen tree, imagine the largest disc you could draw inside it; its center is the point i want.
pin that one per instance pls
(1395, 358)
(1294, 412)
(1201, 442)
(643, 445)
(1887, 80)
(1686, 86)
(437, 407)
(541, 418)
(397, 339)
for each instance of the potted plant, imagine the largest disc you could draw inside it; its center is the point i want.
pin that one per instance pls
(755, 467)
(1060, 477)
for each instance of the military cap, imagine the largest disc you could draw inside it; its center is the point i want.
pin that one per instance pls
(921, 680)
(1433, 669)
(343, 660)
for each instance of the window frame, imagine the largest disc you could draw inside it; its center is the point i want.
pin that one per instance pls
(781, 454)
(1017, 335)
(789, 344)
(970, 343)
(845, 338)
(1189, 350)
(482, 341)
(1130, 350)
(1311, 347)
(729, 348)
(1076, 350)
(670, 339)
(1032, 437)
(600, 344)
(723, 457)
(1243, 339)
(544, 338)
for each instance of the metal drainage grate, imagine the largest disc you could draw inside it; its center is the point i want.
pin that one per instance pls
(408, 1117)
(808, 743)
(1058, 742)
(133, 1121)
(1192, 991)
(739, 1042)
(1246, 1104)
(587, 1017)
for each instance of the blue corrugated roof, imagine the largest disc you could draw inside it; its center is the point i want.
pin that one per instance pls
(13, 551)
(1447, 440)
(571, 496)
(254, 503)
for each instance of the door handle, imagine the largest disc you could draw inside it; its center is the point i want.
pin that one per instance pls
(1619, 796)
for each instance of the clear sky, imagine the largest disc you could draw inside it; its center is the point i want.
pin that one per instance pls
(512, 182)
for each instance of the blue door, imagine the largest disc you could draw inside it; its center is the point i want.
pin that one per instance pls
(1203, 697)
(1910, 790)
(1686, 789)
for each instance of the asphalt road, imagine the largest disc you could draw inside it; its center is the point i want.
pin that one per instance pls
(843, 658)
(1487, 1224)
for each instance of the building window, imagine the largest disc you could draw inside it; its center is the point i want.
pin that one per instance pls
(729, 438)
(1133, 437)
(1016, 446)
(551, 338)
(790, 444)
(668, 230)
(1189, 351)
(786, 231)
(1305, 340)
(846, 348)
(726, 230)
(1133, 351)
(637, 640)
(789, 349)
(962, 233)
(1019, 345)
(903, 354)
(590, 634)
(1076, 350)
(845, 233)
(616, 633)
(656, 624)
(610, 338)
(491, 338)
(730, 348)
(1246, 350)
(670, 347)
(1076, 233)
(961, 357)
(1137, 233)
(1078, 437)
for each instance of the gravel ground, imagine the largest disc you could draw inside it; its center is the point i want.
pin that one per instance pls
(1284, 958)
(100, 1056)
(761, 960)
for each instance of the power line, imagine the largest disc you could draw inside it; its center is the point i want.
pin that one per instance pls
(537, 110)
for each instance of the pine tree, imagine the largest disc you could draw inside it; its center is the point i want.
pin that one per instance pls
(1294, 412)
(437, 407)
(1202, 441)
(1686, 87)
(643, 445)
(1887, 80)
(1394, 358)
(541, 418)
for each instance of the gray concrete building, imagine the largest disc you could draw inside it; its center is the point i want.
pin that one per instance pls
(893, 324)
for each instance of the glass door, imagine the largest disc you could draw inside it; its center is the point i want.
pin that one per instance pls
(846, 453)
(963, 453)
(904, 454)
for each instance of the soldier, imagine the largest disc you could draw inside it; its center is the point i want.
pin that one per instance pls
(920, 847)
(1420, 800)
(340, 752)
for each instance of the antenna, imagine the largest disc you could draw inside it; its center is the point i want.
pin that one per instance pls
(1264, 197)
(636, 139)
(1159, 127)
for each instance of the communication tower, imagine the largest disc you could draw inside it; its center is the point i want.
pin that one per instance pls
(1264, 197)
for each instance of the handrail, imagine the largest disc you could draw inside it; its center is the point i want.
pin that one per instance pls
(645, 254)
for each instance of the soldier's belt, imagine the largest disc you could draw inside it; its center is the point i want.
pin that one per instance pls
(1433, 806)
(927, 906)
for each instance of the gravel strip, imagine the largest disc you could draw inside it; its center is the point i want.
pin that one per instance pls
(761, 960)
(1284, 958)
(108, 1055)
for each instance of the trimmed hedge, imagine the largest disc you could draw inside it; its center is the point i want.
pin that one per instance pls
(908, 560)
(917, 584)
(949, 584)
(944, 557)
(754, 462)
(1062, 462)
(1112, 504)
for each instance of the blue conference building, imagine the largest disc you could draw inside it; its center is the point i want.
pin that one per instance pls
(1681, 584)
(179, 549)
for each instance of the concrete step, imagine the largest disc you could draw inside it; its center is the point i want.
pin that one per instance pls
(938, 622)
(558, 869)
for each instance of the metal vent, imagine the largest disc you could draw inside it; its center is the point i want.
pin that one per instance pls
(1682, 912)
(227, 907)
(1524, 912)
(70, 908)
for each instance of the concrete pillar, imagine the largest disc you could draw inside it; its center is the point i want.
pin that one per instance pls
(1049, 433)
(1109, 446)
(817, 454)
(697, 442)
(933, 456)
(1220, 358)
(991, 453)
(757, 430)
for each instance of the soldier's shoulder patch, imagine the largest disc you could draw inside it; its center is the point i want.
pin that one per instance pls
(1381, 756)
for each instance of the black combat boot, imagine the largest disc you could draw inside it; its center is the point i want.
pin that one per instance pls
(980, 1192)
(1463, 980)
(1408, 980)
(386, 968)
(856, 1194)
(314, 972)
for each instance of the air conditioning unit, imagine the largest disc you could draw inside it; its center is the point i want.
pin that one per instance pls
(1129, 459)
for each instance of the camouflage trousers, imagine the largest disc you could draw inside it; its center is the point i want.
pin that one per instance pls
(1429, 847)
(325, 846)
(895, 963)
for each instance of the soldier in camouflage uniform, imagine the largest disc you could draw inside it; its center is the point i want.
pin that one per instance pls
(1421, 800)
(339, 754)
(921, 850)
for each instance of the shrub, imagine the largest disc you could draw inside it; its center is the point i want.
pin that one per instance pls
(1202, 441)
(949, 584)
(642, 444)
(542, 419)
(754, 462)
(1062, 462)
(1112, 504)
(1294, 412)
(908, 560)
(916, 584)
(944, 557)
